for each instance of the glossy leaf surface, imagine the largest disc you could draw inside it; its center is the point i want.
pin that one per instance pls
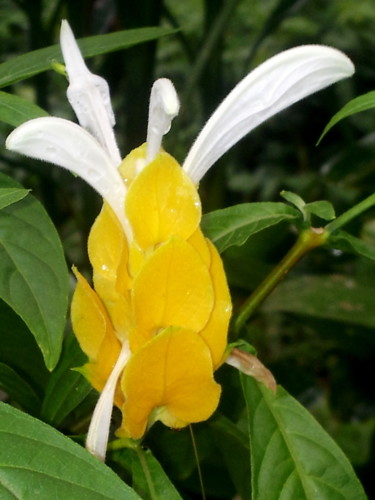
(33, 273)
(234, 225)
(14, 110)
(27, 65)
(291, 455)
(37, 462)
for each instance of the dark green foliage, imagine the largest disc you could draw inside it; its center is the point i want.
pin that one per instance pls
(315, 331)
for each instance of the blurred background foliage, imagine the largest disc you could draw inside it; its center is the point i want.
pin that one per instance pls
(316, 331)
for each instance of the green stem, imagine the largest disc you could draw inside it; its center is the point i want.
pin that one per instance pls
(351, 214)
(206, 50)
(307, 240)
(197, 462)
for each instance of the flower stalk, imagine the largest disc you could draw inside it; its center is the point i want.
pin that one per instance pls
(307, 240)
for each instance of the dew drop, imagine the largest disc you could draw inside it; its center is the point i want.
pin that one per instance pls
(51, 151)
(94, 175)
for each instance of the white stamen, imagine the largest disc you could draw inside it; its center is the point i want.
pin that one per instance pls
(97, 436)
(68, 145)
(88, 95)
(274, 85)
(164, 106)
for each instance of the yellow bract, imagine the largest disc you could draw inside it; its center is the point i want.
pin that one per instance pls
(109, 255)
(216, 330)
(173, 373)
(174, 288)
(162, 202)
(94, 333)
(165, 292)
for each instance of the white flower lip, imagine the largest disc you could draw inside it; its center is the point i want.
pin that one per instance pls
(274, 85)
(164, 106)
(68, 145)
(97, 436)
(88, 95)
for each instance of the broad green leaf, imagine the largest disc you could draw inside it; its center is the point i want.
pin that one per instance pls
(148, 477)
(234, 225)
(15, 110)
(32, 63)
(18, 389)
(321, 208)
(66, 388)
(34, 280)
(36, 461)
(292, 457)
(26, 361)
(341, 240)
(333, 297)
(356, 105)
(234, 447)
(11, 195)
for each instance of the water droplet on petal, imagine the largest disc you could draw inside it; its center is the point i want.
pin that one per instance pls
(94, 175)
(51, 151)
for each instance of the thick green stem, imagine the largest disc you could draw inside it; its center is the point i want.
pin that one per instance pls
(307, 240)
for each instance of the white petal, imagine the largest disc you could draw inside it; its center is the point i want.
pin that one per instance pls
(68, 145)
(88, 95)
(271, 87)
(164, 106)
(97, 437)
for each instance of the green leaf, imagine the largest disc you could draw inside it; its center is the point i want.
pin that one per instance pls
(149, 479)
(32, 63)
(234, 447)
(321, 208)
(18, 389)
(291, 455)
(341, 240)
(66, 388)
(294, 199)
(26, 361)
(234, 225)
(34, 280)
(15, 110)
(11, 195)
(356, 105)
(334, 297)
(36, 461)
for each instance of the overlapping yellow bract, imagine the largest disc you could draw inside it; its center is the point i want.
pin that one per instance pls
(165, 292)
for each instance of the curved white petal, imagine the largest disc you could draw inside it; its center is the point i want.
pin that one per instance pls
(271, 87)
(164, 106)
(68, 145)
(97, 436)
(88, 95)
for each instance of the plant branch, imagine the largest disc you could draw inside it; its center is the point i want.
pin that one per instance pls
(307, 240)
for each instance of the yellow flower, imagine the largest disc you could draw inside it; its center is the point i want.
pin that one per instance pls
(154, 324)
(164, 293)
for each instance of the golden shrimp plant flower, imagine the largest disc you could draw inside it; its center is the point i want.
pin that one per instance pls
(154, 324)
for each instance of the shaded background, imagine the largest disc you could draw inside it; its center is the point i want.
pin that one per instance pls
(316, 332)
